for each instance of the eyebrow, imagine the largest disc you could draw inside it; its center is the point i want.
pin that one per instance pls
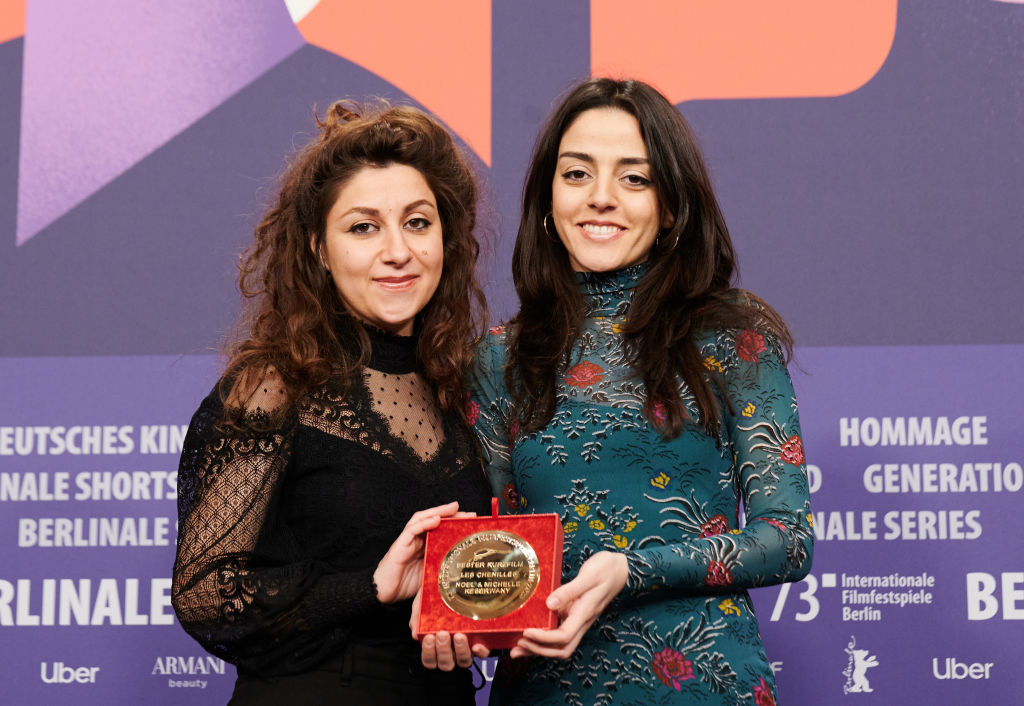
(373, 212)
(587, 158)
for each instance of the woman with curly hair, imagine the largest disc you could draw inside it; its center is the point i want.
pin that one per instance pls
(643, 398)
(337, 435)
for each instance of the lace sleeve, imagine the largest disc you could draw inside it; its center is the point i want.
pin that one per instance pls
(238, 588)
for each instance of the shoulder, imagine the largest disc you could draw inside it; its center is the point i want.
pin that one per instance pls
(490, 359)
(493, 347)
(256, 399)
(729, 348)
(257, 391)
(739, 323)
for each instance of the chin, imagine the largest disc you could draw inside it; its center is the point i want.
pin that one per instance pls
(601, 265)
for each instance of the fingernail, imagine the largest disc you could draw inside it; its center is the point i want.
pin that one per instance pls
(553, 602)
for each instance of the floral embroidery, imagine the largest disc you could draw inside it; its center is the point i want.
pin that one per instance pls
(661, 480)
(607, 525)
(718, 524)
(810, 520)
(584, 374)
(718, 574)
(775, 523)
(513, 432)
(472, 409)
(571, 527)
(749, 410)
(685, 652)
(496, 330)
(659, 412)
(772, 438)
(510, 496)
(749, 345)
(672, 668)
(711, 364)
(793, 451)
(728, 607)
(763, 695)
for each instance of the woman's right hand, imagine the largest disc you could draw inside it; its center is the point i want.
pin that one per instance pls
(442, 650)
(398, 574)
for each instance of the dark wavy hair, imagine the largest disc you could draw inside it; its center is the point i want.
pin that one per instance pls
(297, 324)
(686, 290)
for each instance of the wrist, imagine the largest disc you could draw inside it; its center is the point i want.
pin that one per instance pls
(375, 581)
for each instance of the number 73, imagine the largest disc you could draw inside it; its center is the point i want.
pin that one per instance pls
(807, 596)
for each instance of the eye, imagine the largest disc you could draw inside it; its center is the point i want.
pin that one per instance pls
(362, 228)
(574, 175)
(636, 180)
(417, 223)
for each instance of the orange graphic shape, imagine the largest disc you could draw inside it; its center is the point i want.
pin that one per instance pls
(741, 49)
(12, 19)
(439, 53)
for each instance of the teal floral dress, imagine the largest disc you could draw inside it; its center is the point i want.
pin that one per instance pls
(683, 630)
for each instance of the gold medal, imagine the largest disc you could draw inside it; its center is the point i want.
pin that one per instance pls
(488, 575)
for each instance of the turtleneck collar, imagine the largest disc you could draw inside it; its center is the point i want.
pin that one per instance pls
(609, 293)
(389, 353)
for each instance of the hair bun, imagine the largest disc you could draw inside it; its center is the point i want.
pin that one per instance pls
(338, 114)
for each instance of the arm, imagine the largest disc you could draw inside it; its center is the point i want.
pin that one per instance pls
(776, 543)
(239, 588)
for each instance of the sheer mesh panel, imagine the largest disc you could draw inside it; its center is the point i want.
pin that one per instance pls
(405, 403)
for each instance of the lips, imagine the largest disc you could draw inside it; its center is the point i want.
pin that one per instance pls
(396, 283)
(600, 231)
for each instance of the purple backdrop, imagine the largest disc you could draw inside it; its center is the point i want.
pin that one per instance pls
(138, 147)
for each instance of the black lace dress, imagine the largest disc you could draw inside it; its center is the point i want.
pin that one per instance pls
(280, 531)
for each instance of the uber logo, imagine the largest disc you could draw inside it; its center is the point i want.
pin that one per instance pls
(951, 669)
(60, 674)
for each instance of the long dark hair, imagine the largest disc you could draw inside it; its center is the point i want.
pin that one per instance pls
(687, 288)
(296, 317)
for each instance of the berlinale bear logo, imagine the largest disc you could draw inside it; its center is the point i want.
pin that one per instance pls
(856, 670)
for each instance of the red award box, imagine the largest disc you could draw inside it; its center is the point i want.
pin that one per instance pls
(489, 577)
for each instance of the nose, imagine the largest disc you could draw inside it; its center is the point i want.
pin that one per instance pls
(602, 194)
(396, 250)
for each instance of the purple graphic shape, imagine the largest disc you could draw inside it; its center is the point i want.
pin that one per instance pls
(105, 85)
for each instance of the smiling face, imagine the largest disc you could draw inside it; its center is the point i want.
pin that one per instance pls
(603, 201)
(383, 246)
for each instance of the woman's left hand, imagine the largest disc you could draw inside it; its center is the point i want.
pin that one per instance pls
(579, 603)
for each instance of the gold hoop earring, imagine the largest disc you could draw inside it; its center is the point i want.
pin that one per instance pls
(657, 242)
(545, 222)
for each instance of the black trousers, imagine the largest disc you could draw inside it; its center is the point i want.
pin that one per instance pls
(364, 674)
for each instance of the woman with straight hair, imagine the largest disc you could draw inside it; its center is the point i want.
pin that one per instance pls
(644, 399)
(337, 434)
